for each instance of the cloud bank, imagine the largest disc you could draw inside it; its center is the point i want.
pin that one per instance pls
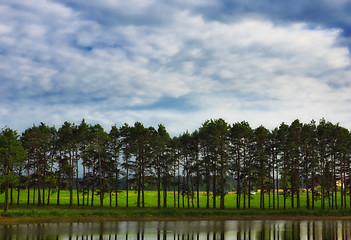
(178, 63)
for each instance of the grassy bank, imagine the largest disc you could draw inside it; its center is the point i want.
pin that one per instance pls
(34, 214)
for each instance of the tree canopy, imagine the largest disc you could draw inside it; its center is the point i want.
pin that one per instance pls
(217, 158)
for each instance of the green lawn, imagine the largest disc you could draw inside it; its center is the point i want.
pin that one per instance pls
(151, 200)
(24, 213)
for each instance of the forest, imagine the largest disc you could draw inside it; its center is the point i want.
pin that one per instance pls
(312, 159)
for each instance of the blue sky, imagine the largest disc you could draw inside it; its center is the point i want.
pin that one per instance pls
(174, 62)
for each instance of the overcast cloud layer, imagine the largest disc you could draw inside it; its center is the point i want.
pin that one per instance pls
(177, 62)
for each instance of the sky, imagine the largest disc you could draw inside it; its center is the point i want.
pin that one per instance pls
(174, 62)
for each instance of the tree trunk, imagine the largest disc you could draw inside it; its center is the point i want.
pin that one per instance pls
(298, 184)
(307, 193)
(51, 176)
(139, 182)
(101, 182)
(307, 185)
(277, 172)
(334, 182)
(284, 188)
(34, 194)
(323, 198)
(58, 196)
(245, 194)
(214, 188)
(143, 185)
(77, 177)
(349, 167)
(165, 193)
(273, 183)
(110, 198)
(116, 188)
(11, 194)
(188, 186)
(198, 190)
(292, 192)
(18, 192)
(345, 204)
(7, 185)
(28, 182)
(49, 191)
(44, 178)
(222, 186)
(83, 186)
(262, 191)
(183, 191)
(313, 196)
(158, 183)
(88, 191)
(6, 204)
(93, 186)
(238, 190)
(70, 179)
(58, 188)
(249, 195)
(92, 195)
(39, 183)
(207, 189)
(192, 194)
(127, 185)
(174, 186)
(341, 190)
(179, 185)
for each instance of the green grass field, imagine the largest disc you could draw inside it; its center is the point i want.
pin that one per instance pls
(32, 212)
(76, 212)
(151, 200)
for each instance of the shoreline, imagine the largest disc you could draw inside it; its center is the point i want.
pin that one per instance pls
(24, 214)
(42, 220)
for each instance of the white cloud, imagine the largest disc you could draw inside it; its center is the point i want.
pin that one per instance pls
(58, 65)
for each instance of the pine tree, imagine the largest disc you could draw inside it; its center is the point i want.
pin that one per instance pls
(12, 154)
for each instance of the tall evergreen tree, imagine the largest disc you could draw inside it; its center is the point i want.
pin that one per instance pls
(98, 152)
(12, 154)
(241, 139)
(140, 147)
(67, 144)
(38, 144)
(324, 129)
(126, 145)
(309, 160)
(294, 154)
(282, 135)
(261, 156)
(114, 151)
(164, 159)
(185, 144)
(197, 168)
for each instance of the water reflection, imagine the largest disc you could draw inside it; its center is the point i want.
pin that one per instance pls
(182, 230)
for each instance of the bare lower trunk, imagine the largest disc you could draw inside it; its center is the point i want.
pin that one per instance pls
(6, 204)
(127, 187)
(198, 191)
(18, 195)
(165, 194)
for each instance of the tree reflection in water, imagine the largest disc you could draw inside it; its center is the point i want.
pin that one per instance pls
(182, 230)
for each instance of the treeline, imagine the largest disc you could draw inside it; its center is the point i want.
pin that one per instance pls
(85, 158)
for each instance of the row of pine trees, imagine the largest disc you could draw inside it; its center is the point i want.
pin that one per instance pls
(85, 158)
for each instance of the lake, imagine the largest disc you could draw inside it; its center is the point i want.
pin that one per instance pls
(182, 230)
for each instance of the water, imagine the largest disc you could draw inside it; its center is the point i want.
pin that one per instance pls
(182, 230)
